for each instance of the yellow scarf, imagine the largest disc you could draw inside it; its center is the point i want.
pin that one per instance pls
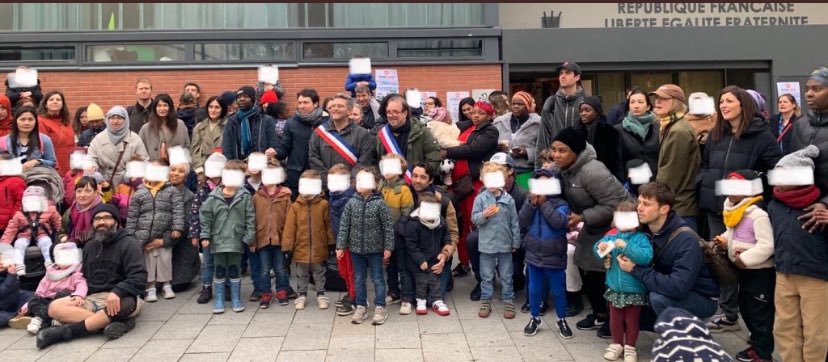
(153, 187)
(733, 217)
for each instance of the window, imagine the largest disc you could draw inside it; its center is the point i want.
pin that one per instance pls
(344, 50)
(707, 81)
(264, 51)
(36, 53)
(135, 53)
(440, 48)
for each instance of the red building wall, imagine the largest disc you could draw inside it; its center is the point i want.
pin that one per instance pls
(108, 88)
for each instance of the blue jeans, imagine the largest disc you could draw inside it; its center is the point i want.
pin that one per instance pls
(271, 257)
(445, 277)
(503, 263)
(207, 267)
(364, 263)
(538, 278)
(259, 284)
(695, 303)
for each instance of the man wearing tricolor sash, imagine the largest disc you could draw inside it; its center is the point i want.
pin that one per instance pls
(339, 140)
(405, 136)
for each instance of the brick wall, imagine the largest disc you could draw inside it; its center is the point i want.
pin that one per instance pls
(117, 87)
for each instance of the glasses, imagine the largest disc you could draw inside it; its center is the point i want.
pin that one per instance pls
(394, 113)
(103, 218)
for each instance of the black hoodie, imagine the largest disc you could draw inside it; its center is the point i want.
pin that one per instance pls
(116, 265)
(755, 150)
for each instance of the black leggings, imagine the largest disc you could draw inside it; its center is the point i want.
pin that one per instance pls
(594, 288)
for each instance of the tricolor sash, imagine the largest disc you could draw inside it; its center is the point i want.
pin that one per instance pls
(339, 144)
(391, 146)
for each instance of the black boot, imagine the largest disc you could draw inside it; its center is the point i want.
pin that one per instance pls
(49, 336)
(475, 293)
(205, 295)
(574, 304)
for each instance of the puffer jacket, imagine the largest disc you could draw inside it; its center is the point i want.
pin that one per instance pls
(422, 245)
(638, 250)
(591, 191)
(271, 213)
(156, 217)
(308, 230)
(322, 156)
(479, 148)
(222, 224)
(678, 162)
(366, 225)
(10, 293)
(352, 79)
(18, 227)
(633, 147)
(755, 150)
(526, 137)
(807, 132)
(753, 234)
(422, 146)
(796, 251)
(11, 197)
(559, 111)
(337, 202)
(58, 280)
(500, 233)
(399, 197)
(545, 241)
(200, 197)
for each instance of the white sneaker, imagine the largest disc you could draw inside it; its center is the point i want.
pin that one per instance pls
(168, 292)
(34, 325)
(405, 308)
(299, 303)
(151, 296)
(440, 308)
(614, 352)
(629, 354)
(421, 307)
(359, 314)
(323, 302)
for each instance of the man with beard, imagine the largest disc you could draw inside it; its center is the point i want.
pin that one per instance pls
(296, 136)
(248, 130)
(113, 264)
(339, 140)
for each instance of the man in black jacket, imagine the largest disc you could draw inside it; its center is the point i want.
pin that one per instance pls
(113, 264)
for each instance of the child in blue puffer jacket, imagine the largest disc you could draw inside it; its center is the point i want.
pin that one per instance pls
(625, 293)
(545, 215)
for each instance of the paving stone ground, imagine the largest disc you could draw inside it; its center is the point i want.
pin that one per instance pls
(182, 330)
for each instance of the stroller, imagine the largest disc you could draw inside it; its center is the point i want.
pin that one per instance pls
(49, 179)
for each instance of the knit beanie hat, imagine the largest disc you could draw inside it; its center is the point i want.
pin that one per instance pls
(593, 102)
(802, 158)
(684, 337)
(527, 99)
(269, 97)
(820, 75)
(35, 191)
(747, 175)
(105, 207)
(759, 99)
(246, 90)
(572, 138)
(94, 112)
(227, 98)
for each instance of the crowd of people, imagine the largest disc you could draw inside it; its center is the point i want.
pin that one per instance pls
(701, 203)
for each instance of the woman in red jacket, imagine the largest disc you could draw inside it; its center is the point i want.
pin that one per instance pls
(53, 117)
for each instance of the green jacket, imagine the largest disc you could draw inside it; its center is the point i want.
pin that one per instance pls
(422, 146)
(223, 224)
(365, 227)
(678, 163)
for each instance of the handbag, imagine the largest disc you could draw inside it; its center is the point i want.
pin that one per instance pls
(720, 265)
(463, 187)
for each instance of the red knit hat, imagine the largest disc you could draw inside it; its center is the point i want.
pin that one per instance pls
(269, 97)
(485, 106)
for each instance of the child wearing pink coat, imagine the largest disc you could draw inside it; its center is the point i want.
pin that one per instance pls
(63, 279)
(39, 211)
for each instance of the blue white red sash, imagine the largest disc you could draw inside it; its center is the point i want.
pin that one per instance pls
(339, 144)
(391, 146)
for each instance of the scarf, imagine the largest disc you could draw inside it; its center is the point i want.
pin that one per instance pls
(6, 123)
(638, 125)
(244, 128)
(116, 136)
(401, 135)
(153, 186)
(667, 122)
(81, 219)
(797, 198)
(733, 216)
(515, 122)
(311, 118)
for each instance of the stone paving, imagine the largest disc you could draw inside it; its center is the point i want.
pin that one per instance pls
(182, 330)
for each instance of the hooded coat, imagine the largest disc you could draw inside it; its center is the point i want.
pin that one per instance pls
(591, 191)
(366, 227)
(559, 111)
(308, 230)
(11, 197)
(223, 224)
(271, 213)
(755, 150)
(295, 146)
(810, 129)
(205, 140)
(545, 241)
(115, 265)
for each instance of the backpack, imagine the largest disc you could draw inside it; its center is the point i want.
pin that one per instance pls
(720, 266)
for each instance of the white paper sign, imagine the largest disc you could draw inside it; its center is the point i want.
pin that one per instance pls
(545, 186)
(310, 186)
(66, 254)
(25, 78)
(482, 94)
(607, 250)
(387, 82)
(453, 103)
(268, 74)
(77, 160)
(702, 105)
(427, 94)
(640, 175)
(213, 168)
(338, 182)
(359, 66)
(414, 98)
(33, 204)
(11, 167)
(792, 88)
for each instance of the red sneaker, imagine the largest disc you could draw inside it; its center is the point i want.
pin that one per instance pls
(264, 303)
(440, 308)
